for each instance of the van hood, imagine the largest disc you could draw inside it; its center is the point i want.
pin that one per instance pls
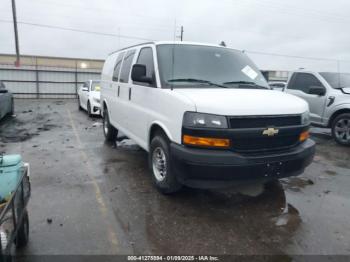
(244, 101)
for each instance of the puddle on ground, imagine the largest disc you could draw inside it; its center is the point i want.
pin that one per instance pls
(331, 173)
(295, 184)
(290, 217)
(127, 144)
(10, 131)
(332, 154)
(226, 220)
(24, 127)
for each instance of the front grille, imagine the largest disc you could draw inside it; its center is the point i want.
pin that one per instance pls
(264, 121)
(255, 144)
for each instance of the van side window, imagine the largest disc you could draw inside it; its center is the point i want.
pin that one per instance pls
(146, 58)
(126, 67)
(117, 67)
(303, 82)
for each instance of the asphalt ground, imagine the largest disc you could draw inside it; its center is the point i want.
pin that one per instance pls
(94, 198)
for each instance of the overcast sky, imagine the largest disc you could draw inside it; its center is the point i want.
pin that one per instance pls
(313, 28)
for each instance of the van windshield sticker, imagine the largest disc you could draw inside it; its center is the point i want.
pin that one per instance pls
(250, 72)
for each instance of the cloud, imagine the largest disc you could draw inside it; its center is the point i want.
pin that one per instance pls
(297, 27)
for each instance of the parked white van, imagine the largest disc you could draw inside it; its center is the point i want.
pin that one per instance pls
(205, 114)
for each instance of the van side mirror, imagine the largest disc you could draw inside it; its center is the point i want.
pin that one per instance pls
(138, 74)
(317, 90)
(84, 89)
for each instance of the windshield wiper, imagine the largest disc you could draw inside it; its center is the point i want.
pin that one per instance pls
(246, 83)
(194, 80)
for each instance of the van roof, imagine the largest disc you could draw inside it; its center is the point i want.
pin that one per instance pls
(174, 43)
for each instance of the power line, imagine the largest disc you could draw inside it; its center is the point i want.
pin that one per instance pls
(79, 30)
(147, 39)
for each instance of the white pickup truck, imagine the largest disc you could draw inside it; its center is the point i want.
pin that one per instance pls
(328, 96)
(205, 114)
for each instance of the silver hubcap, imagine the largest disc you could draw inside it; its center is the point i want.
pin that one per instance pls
(159, 164)
(105, 124)
(342, 130)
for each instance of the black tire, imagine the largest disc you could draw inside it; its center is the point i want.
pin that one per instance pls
(79, 106)
(341, 129)
(166, 182)
(88, 107)
(109, 131)
(23, 232)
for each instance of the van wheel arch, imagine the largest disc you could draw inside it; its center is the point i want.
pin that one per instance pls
(157, 129)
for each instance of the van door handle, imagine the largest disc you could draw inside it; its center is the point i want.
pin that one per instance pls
(129, 93)
(118, 90)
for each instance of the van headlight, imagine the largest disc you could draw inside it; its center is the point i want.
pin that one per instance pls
(305, 118)
(193, 119)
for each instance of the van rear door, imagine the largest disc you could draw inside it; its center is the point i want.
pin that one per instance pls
(125, 90)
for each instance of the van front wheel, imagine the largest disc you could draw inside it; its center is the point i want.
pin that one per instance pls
(109, 131)
(159, 161)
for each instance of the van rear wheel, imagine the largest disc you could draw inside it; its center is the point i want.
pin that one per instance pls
(109, 131)
(160, 165)
(341, 129)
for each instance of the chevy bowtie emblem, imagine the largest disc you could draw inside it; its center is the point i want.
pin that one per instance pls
(270, 131)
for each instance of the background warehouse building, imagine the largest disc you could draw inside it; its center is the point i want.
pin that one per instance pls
(47, 77)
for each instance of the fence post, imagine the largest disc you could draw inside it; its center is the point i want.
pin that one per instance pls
(37, 78)
(76, 78)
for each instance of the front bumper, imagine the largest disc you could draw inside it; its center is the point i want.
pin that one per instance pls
(95, 108)
(207, 168)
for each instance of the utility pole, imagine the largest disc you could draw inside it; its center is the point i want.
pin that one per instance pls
(17, 63)
(182, 33)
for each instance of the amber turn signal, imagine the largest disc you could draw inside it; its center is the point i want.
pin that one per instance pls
(304, 135)
(206, 141)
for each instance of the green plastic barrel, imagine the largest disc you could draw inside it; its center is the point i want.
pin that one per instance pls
(10, 173)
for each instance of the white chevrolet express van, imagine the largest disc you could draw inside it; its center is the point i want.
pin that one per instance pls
(205, 114)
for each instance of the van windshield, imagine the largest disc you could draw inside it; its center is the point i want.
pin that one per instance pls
(195, 66)
(337, 80)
